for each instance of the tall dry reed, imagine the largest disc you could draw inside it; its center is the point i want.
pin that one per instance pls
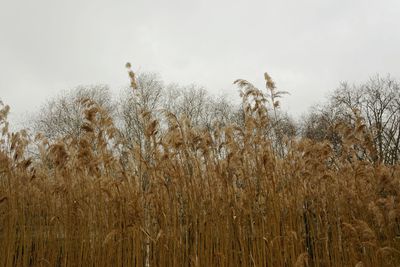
(188, 196)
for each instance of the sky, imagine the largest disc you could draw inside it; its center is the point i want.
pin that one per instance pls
(307, 46)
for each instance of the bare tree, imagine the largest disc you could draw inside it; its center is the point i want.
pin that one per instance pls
(63, 115)
(147, 96)
(196, 104)
(377, 101)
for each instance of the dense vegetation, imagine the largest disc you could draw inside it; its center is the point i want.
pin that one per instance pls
(233, 192)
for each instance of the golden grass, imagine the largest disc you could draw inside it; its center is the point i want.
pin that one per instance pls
(190, 197)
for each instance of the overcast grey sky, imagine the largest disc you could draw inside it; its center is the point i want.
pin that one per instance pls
(308, 46)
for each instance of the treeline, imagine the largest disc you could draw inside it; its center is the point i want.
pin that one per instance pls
(376, 102)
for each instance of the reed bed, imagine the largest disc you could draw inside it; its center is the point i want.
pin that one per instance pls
(188, 196)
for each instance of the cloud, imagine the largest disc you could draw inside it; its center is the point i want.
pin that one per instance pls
(307, 46)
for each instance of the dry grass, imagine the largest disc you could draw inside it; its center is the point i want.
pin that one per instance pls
(191, 197)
